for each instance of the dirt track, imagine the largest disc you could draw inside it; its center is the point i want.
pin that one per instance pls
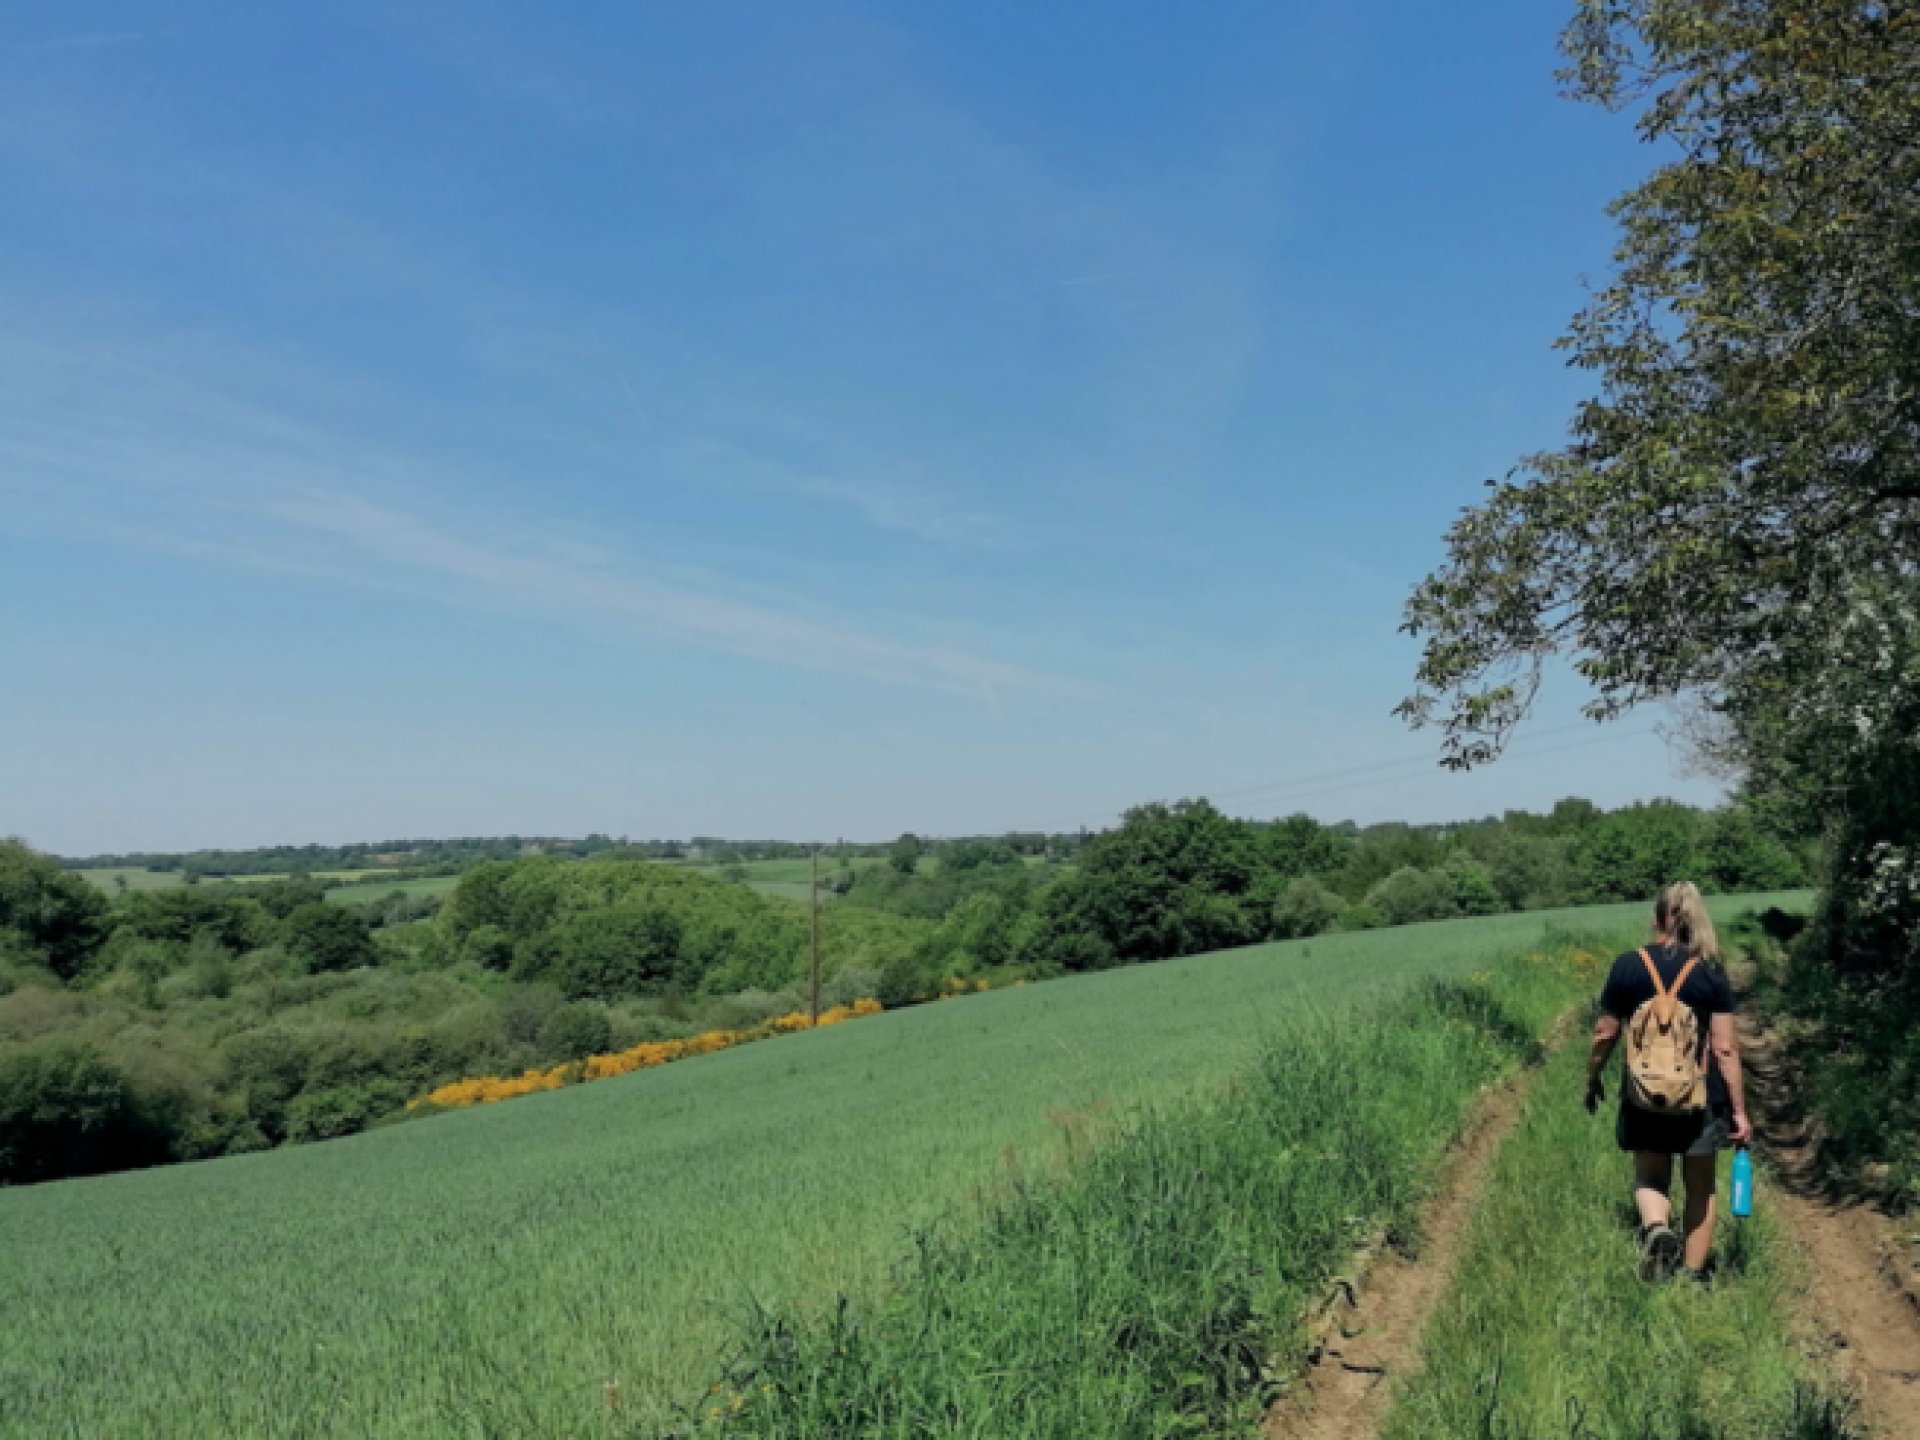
(1371, 1332)
(1864, 1282)
(1865, 1292)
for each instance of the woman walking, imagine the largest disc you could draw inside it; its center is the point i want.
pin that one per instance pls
(1683, 1093)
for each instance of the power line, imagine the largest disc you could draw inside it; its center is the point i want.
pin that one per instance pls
(1301, 788)
(1530, 754)
(1408, 762)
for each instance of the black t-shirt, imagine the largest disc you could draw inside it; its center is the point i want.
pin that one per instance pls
(1707, 992)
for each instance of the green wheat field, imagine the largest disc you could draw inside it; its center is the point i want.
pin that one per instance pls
(492, 1272)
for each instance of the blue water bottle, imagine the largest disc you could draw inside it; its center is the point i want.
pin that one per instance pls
(1742, 1182)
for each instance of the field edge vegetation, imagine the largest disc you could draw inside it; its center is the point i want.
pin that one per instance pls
(1159, 1285)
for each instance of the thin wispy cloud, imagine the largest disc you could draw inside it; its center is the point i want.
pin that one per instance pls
(530, 579)
(120, 453)
(838, 478)
(106, 40)
(903, 509)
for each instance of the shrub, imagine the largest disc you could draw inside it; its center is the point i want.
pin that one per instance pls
(1410, 895)
(1305, 907)
(65, 1109)
(1361, 917)
(527, 1010)
(32, 1011)
(266, 1068)
(904, 980)
(574, 1032)
(850, 985)
(752, 1007)
(631, 1029)
(344, 1110)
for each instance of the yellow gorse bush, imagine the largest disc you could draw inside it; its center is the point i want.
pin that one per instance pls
(485, 1089)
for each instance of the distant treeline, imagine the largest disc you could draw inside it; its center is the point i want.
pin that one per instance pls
(202, 1020)
(420, 858)
(1183, 879)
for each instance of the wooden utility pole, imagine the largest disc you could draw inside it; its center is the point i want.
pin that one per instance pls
(813, 969)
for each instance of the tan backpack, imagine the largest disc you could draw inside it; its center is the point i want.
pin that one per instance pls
(1663, 1050)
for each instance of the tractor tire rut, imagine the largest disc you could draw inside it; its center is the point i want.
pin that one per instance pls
(1370, 1330)
(1864, 1290)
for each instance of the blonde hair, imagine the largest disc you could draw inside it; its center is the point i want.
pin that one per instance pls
(1682, 915)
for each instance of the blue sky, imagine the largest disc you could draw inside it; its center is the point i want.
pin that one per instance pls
(764, 419)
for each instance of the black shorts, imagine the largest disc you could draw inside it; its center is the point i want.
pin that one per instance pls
(1707, 1133)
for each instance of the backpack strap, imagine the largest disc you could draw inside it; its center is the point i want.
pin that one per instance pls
(1659, 985)
(1666, 1002)
(1685, 970)
(1642, 1013)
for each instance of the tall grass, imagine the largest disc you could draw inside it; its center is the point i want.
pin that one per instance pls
(1150, 1289)
(1549, 1332)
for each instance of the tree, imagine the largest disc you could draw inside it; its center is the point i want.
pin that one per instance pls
(174, 917)
(1636, 852)
(1171, 880)
(479, 899)
(489, 947)
(904, 854)
(1739, 855)
(53, 911)
(1737, 514)
(1530, 872)
(280, 898)
(1474, 892)
(963, 855)
(1301, 845)
(328, 937)
(1385, 849)
(609, 954)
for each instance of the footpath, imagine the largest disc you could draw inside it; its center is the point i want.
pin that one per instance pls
(1518, 1311)
(1863, 1285)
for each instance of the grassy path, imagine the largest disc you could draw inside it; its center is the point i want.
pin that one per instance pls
(1548, 1332)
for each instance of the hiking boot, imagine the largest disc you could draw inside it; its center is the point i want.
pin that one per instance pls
(1659, 1253)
